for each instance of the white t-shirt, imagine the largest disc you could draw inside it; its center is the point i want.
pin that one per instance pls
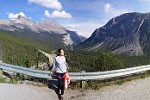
(60, 64)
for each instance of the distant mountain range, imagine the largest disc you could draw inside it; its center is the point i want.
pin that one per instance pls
(125, 34)
(48, 32)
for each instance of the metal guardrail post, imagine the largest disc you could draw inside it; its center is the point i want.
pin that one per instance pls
(82, 82)
(1, 73)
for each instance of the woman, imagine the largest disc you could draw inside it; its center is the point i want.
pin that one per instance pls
(61, 69)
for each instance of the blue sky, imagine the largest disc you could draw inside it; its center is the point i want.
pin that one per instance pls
(83, 16)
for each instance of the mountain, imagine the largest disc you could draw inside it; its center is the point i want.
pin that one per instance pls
(47, 32)
(127, 34)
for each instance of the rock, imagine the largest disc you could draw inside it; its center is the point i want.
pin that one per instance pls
(125, 34)
(45, 28)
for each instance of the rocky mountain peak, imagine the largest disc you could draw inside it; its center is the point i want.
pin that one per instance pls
(53, 24)
(47, 21)
(125, 34)
(23, 18)
(46, 29)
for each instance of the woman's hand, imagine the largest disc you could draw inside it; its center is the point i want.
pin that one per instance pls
(51, 72)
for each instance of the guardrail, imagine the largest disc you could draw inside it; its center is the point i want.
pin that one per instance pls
(76, 75)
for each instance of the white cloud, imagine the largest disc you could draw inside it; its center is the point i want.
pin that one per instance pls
(14, 16)
(58, 14)
(54, 4)
(112, 11)
(107, 7)
(84, 29)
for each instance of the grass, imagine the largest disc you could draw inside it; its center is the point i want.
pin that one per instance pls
(4, 80)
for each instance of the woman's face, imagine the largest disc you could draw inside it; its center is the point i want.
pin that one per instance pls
(61, 53)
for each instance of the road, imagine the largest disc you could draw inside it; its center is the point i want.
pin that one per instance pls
(50, 56)
(138, 89)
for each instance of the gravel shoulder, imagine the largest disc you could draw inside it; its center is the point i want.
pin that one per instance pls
(135, 90)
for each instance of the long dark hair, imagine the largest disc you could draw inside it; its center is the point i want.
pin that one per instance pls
(59, 51)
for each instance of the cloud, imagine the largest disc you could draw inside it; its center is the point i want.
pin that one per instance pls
(58, 14)
(14, 16)
(107, 7)
(112, 11)
(84, 29)
(54, 4)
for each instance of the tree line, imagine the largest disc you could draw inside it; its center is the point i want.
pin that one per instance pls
(24, 52)
(20, 51)
(102, 61)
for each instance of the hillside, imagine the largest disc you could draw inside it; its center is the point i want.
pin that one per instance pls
(20, 51)
(125, 34)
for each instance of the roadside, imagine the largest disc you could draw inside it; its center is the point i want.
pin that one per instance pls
(138, 89)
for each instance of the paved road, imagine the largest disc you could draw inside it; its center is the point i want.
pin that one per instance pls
(135, 90)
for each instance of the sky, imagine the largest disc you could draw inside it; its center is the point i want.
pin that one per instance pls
(83, 16)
